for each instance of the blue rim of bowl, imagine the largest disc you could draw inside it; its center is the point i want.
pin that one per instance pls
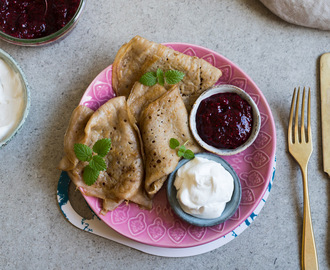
(230, 208)
(13, 64)
(47, 39)
(256, 122)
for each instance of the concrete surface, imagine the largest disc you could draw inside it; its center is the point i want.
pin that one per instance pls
(278, 56)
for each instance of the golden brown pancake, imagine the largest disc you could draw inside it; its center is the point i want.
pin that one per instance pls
(139, 56)
(163, 119)
(123, 179)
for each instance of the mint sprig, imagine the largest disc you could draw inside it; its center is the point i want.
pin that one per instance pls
(96, 162)
(170, 77)
(182, 151)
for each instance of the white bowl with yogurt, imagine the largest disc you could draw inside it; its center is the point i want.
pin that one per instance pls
(14, 98)
(204, 191)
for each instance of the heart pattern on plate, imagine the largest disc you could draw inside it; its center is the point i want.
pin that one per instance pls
(177, 232)
(137, 224)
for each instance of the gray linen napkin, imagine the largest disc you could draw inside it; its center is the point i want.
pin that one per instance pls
(308, 13)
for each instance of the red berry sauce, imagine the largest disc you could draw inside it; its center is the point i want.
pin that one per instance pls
(224, 120)
(28, 19)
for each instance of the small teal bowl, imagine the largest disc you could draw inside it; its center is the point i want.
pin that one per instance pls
(26, 95)
(230, 208)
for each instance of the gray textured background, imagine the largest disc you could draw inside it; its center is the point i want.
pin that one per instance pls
(276, 55)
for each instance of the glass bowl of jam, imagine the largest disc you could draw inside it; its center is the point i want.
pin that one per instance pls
(225, 120)
(38, 22)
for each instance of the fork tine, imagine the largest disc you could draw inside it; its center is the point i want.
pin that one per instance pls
(291, 116)
(309, 130)
(302, 127)
(296, 134)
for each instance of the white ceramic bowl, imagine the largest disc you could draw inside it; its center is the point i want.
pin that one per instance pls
(255, 115)
(26, 96)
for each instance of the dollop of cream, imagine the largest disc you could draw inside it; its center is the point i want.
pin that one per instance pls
(12, 101)
(203, 188)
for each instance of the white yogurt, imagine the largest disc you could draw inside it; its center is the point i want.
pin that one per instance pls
(12, 100)
(203, 188)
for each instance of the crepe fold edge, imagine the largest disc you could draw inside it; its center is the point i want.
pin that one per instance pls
(74, 133)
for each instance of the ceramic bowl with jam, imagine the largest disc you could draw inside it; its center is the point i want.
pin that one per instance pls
(225, 120)
(38, 22)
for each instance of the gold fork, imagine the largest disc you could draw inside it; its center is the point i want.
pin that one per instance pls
(301, 149)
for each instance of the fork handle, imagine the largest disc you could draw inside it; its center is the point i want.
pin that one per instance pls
(309, 256)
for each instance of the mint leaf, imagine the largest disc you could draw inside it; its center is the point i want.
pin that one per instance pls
(188, 154)
(174, 143)
(98, 163)
(102, 147)
(160, 77)
(173, 76)
(181, 151)
(90, 175)
(83, 152)
(149, 79)
(182, 148)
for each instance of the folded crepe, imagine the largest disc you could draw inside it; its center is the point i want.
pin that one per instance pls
(141, 96)
(161, 120)
(123, 179)
(139, 56)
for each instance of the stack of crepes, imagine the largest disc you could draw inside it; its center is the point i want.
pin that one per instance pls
(140, 121)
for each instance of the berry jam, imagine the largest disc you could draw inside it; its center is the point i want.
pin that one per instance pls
(28, 19)
(224, 120)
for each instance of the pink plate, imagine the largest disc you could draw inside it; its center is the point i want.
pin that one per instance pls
(159, 226)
